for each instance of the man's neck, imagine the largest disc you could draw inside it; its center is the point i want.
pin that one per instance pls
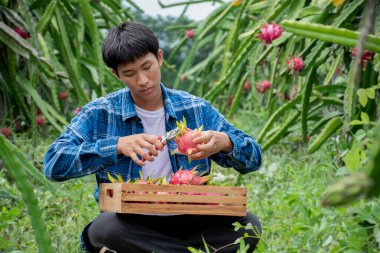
(151, 105)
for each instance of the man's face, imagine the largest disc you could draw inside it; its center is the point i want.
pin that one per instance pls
(143, 78)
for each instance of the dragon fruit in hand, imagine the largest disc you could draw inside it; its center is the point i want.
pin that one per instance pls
(185, 138)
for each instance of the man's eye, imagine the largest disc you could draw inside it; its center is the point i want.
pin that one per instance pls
(148, 67)
(129, 75)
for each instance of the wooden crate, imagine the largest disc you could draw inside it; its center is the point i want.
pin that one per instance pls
(172, 199)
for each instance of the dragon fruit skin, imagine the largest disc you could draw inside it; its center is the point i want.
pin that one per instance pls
(188, 177)
(263, 87)
(270, 32)
(185, 139)
(296, 64)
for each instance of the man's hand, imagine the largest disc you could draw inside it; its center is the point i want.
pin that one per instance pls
(211, 142)
(133, 145)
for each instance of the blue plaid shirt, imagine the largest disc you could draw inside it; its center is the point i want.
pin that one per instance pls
(88, 145)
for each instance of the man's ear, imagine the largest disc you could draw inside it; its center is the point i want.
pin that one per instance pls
(160, 56)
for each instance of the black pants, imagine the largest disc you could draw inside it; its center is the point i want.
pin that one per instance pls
(132, 233)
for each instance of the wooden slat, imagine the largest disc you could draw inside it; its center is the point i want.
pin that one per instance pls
(184, 198)
(186, 188)
(184, 209)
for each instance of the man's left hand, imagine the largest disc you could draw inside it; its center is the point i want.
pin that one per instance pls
(211, 142)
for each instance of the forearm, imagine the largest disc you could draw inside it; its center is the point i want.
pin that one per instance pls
(65, 160)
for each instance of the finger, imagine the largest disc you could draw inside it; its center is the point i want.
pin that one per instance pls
(204, 138)
(151, 148)
(136, 159)
(153, 139)
(143, 154)
(207, 146)
(199, 155)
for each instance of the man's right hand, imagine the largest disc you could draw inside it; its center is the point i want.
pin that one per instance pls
(133, 145)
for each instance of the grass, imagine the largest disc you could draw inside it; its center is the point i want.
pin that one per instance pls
(285, 194)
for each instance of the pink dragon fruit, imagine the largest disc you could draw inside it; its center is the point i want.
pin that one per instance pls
(295, 64)
(63, 95)
(190, 34)
(6, 132)
(188, 177)
(263, 86)
(247, 86)
(40, 120)
(77, 110)
(184, 139)
(270, 32)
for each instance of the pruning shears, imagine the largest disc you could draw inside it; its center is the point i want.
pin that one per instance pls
(165, 138)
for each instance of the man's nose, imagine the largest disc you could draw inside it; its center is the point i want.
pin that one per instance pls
(142, 79)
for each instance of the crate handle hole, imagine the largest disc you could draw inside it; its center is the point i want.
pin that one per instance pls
(110, 193)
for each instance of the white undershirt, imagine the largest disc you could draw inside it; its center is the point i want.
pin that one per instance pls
(154, 123)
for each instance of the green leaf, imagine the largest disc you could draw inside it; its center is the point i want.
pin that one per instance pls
(352, 159)
(365, 118)
(356, 122)
(110, 178)
(371, 92)
(363, 98)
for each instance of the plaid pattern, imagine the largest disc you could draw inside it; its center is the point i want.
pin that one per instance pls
(88, 145)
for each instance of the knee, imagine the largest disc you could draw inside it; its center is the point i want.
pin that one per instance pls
(103, 228)
(254, 232)
(255, 222)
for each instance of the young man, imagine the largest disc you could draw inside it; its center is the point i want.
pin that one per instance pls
(114, 133)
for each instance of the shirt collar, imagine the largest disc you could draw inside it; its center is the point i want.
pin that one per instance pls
(129, 111)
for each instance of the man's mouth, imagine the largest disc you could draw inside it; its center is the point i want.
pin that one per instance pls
(147, 90)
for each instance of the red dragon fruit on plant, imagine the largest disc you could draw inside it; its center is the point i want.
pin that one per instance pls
(270, 32)
(190, 34)
(367, 55)
(263, 86)
(247, 86)
(6, 132)
(22, 33)
(63, 95)
(296, 64)
(185, 138)
(77, 110)
(40, 120)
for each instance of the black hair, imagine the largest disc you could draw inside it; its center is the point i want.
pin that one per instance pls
(128, 42)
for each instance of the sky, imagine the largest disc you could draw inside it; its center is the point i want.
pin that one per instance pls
(195, 11)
